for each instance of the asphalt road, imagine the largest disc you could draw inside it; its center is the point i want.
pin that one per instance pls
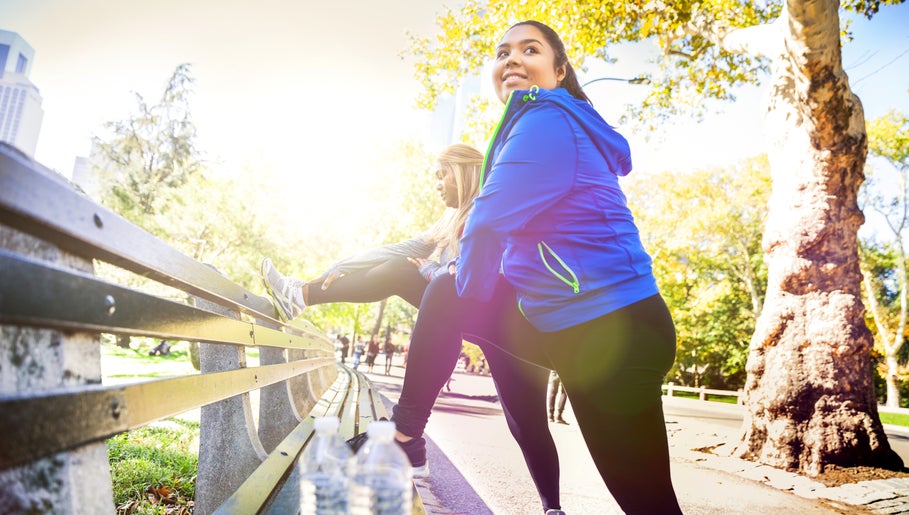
(477, 468)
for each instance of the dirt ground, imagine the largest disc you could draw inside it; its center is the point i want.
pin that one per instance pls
(835, 476)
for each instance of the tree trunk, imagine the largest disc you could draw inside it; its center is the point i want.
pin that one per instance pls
(378, 327)
(809, 393)
(892, 347)
(893, 381)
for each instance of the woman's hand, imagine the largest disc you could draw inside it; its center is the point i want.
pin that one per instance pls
(330, 277)
(418, 262)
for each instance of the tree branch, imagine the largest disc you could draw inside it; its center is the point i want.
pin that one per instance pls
(758, 40)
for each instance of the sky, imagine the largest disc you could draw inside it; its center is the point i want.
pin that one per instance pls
(316, 90)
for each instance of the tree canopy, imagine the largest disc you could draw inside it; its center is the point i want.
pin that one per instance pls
(708, 263)
(153, 151)
(696, 60)
(884, 256)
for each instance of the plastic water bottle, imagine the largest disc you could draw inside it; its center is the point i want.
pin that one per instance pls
(325, 466)
(382, 478)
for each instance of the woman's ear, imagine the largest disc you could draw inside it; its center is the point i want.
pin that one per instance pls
(560, 73)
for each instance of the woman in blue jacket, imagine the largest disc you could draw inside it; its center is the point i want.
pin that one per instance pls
(552, 271)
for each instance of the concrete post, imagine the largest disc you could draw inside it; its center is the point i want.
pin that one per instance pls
(78, 481)
(229, 448)
(277, 414)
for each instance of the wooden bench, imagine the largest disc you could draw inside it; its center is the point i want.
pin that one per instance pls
(55, 414)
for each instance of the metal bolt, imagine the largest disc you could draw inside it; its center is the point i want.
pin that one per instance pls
(111, 304)
(115, 408)
(99, 223)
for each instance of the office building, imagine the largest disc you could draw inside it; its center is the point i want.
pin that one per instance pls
(20, 101)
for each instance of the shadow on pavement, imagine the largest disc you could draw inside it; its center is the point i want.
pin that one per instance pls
(445, 487)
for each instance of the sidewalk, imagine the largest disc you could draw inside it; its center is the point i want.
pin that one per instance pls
(477, 468)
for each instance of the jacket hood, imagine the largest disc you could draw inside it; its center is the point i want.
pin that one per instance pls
(612, 145)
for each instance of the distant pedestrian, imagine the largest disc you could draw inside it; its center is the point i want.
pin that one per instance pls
(162, 349)
(389, 354)
(359, 346)
(372, 350)
(556, 389)
(345, 347)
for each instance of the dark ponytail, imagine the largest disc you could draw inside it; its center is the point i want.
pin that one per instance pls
(570, 82)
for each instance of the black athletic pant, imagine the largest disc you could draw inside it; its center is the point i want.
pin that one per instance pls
(612, 368)
(397, 276)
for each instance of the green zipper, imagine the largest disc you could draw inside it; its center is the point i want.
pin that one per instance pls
(492, 140)
(573, 282)
(531, 95)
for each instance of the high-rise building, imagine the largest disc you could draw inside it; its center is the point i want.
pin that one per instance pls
(20, 101)
(449, 117)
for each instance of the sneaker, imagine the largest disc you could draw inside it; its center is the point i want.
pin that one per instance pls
(414, 449)
(560, 420)
(555, 512)
(416, 452)
(286, 293)
(356, 442)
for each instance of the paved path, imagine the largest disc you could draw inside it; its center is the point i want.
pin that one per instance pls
(477, 468)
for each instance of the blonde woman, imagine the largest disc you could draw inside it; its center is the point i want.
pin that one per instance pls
(404, 268)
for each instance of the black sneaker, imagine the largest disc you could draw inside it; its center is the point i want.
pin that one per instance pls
(414, 449)
(356, 442)
(416, 452)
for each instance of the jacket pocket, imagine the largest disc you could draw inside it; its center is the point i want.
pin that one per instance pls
(566, 275)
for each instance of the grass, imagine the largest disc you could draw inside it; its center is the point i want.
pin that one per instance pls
(896, 419)
(154, 468)
(728, 399)
(120, 365)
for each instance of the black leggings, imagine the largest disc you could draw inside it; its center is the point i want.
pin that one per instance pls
(435, 346)
(397, 276)
(612, 368)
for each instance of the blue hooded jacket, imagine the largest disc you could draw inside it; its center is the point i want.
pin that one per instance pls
(551, 215)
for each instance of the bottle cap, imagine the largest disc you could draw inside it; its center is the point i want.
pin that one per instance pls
(326, 424)
(381, 429)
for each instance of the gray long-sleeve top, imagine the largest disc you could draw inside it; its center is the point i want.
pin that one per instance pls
(417, 248)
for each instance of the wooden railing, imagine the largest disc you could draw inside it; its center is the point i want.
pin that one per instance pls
(702, 392)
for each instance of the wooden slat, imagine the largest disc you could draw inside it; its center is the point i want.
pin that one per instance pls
(38, 294)
(35, 425)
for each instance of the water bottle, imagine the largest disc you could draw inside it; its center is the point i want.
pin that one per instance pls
(381, 483)
(324, 470)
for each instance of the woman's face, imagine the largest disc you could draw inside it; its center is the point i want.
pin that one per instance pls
(524, 58)
(446, 186)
